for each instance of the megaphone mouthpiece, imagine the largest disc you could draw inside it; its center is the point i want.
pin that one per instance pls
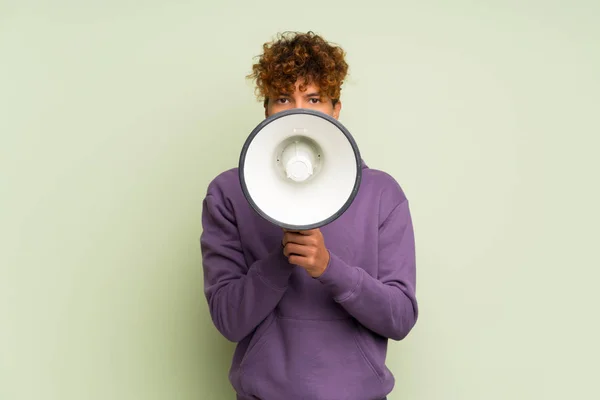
(298, 159)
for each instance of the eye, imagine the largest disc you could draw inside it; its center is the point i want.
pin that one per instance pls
(282, 100)
(314, 100)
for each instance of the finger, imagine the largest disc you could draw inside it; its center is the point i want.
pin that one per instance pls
(300, 261)
(297, 249)
(306, 232)
(309, 232)
(299, 239)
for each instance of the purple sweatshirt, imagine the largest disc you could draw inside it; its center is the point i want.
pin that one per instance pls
(300, 337)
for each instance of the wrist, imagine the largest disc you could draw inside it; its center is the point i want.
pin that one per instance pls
(320, 269)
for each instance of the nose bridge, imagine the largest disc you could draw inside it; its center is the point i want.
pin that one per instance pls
(299, 101)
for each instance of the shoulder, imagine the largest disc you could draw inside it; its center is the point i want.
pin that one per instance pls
(222, 196)
(226, 184)
(384, 184)
(383, 188)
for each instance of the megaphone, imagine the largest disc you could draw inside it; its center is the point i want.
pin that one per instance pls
(300, 169)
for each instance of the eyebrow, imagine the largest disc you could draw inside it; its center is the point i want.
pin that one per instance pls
(312, 94)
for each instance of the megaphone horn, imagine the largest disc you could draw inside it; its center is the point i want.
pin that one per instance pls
(300, 169)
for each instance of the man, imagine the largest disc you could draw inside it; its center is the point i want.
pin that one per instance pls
(311, 311)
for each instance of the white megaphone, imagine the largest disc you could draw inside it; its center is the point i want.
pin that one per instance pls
(300, 169)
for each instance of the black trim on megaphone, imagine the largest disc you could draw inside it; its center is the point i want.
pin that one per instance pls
(281, 114)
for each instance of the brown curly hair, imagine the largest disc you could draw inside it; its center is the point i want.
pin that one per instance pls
(294, 56)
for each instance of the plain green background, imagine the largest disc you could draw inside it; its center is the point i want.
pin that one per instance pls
(115, 115)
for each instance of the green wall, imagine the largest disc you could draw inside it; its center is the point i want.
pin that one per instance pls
(115, 115)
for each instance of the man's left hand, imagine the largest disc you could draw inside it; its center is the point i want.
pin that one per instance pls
(306, 249)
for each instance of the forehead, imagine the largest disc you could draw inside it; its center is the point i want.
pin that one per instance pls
(309, 90)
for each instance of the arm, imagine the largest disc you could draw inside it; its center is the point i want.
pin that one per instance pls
(387, 304)
(239, 296)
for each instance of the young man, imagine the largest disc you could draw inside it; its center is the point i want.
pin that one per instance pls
(311, 311)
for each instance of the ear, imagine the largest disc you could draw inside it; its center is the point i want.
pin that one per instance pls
(336, 109)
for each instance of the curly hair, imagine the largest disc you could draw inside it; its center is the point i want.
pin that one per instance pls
(304, 56)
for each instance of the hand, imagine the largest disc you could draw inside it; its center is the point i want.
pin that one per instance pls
(306, 249)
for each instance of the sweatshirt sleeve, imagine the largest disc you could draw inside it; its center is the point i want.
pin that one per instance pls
(385, 304)
(239, 296)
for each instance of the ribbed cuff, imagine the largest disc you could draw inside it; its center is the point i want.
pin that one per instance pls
(340, 278)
